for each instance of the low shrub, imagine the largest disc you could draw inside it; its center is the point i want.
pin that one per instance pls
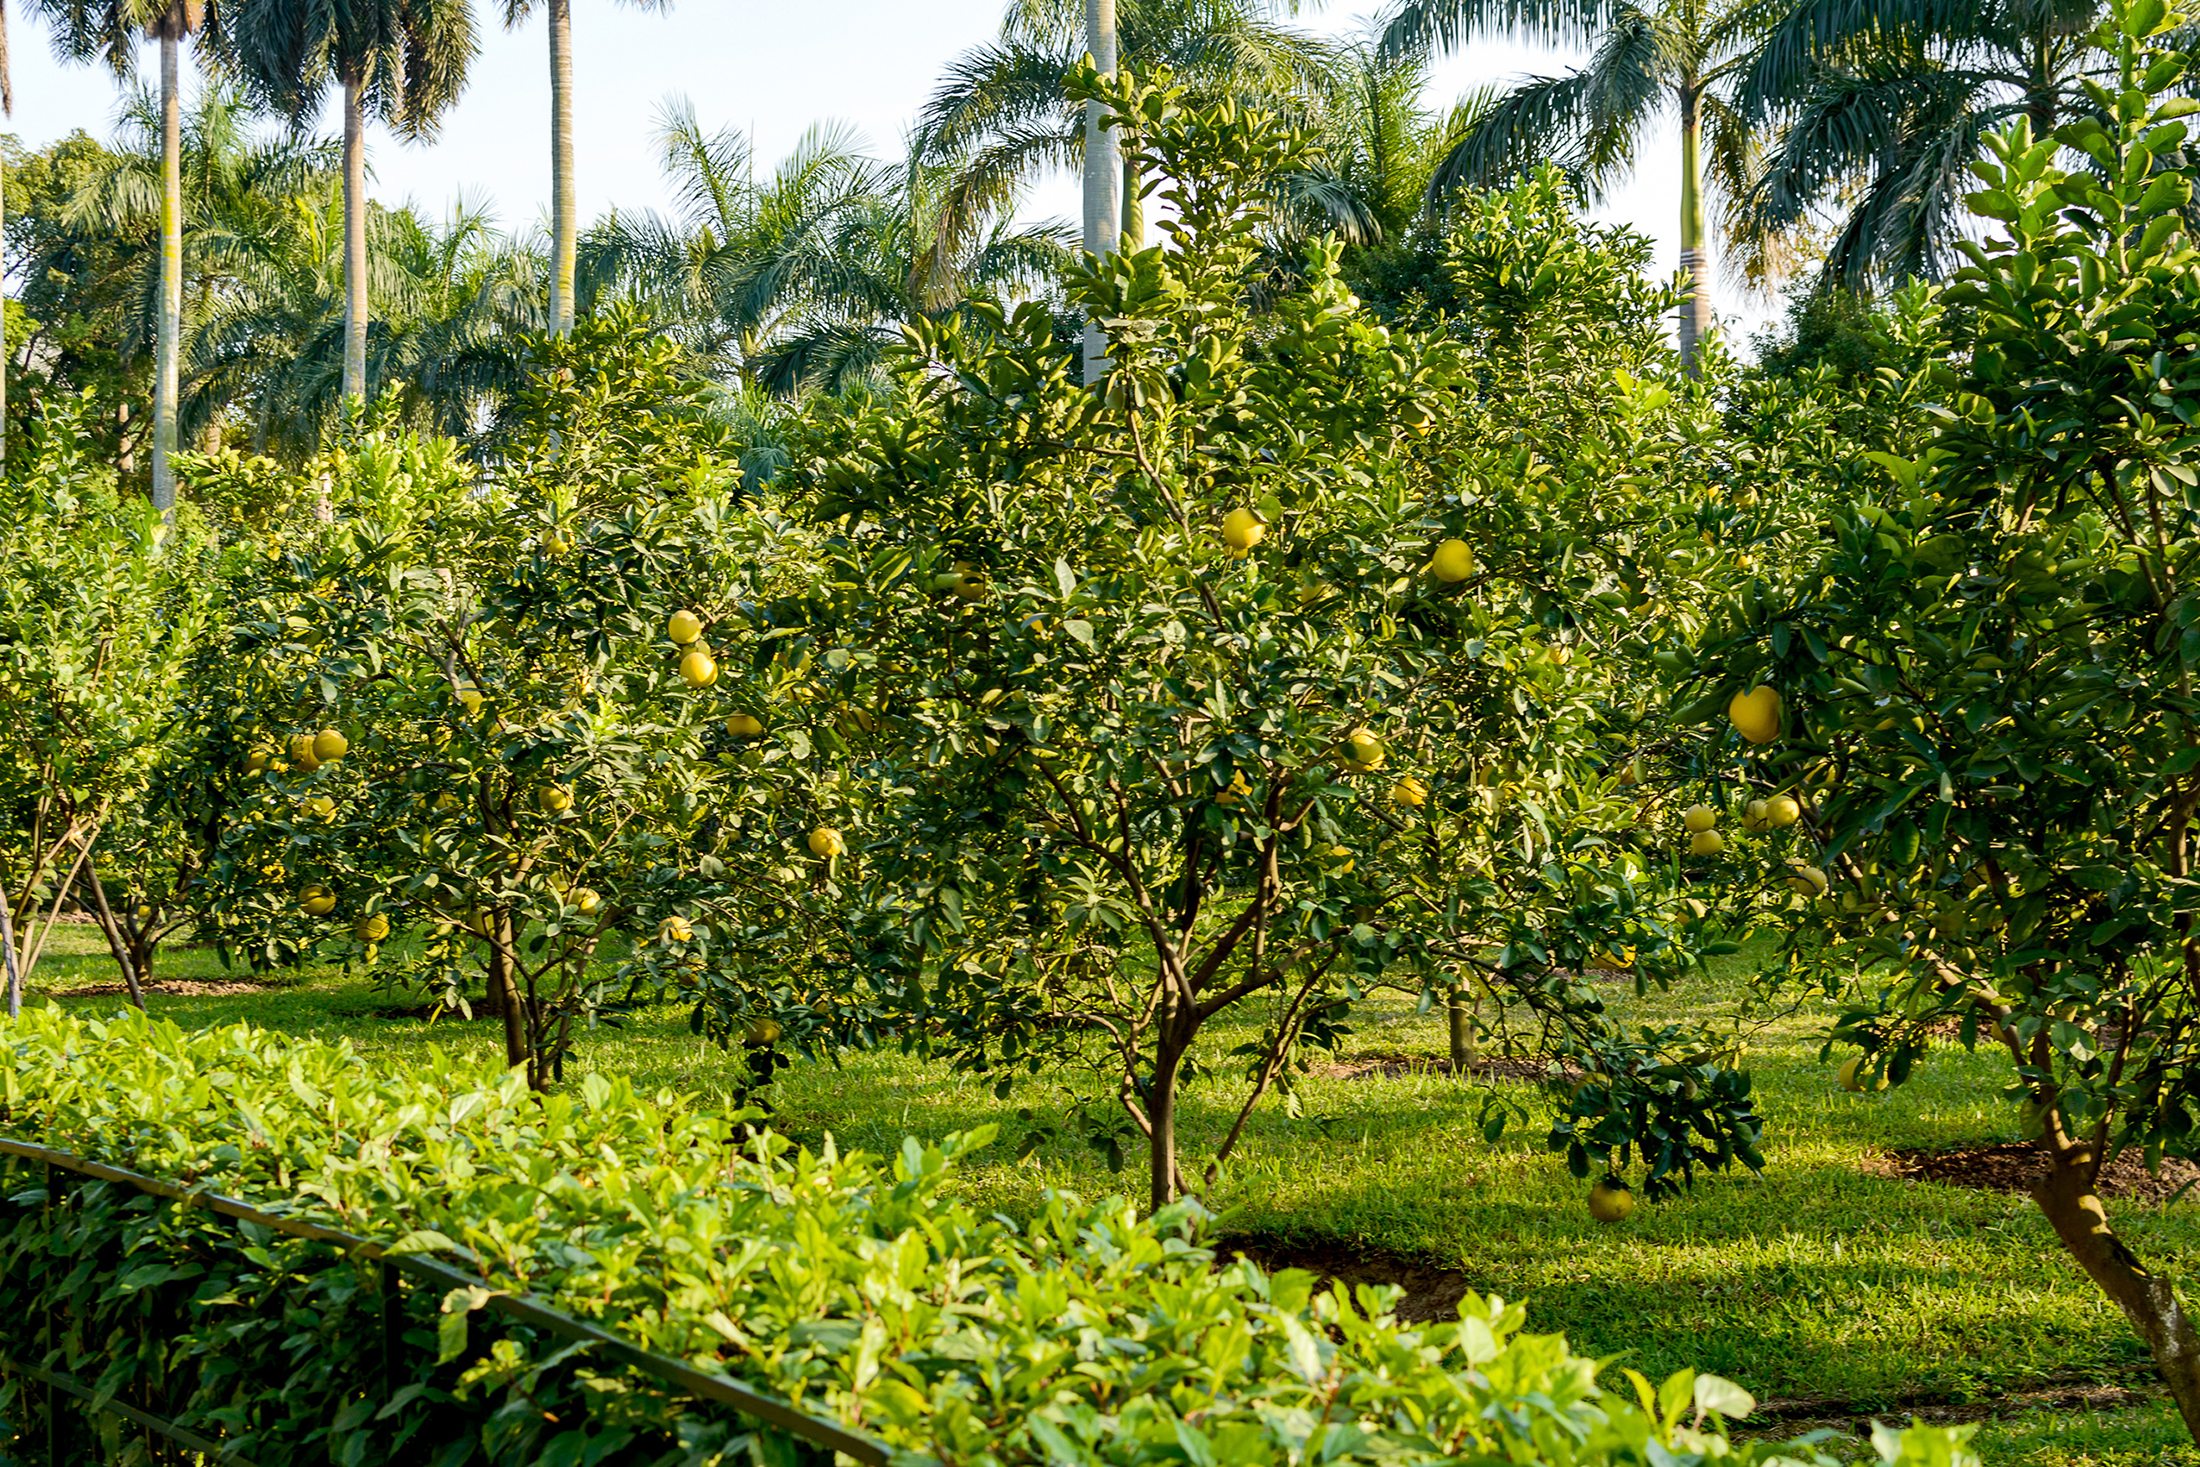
(856, 1288)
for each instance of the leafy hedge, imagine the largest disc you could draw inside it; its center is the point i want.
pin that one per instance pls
(857, 1289)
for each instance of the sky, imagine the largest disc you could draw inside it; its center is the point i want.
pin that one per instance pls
(771, 69)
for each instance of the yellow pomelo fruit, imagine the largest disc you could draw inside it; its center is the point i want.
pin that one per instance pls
(1409, 792)
(317, 901)
(1706, 843)
(699, 668)
(330, 745)
(1611, 1202)
(372, 927)
(744, 725)
(683, 627)
(1782, 811)
(1756, 714)
(761, 1031)
(554, 798)
(825, 843)
(585, 899)
(1855, 1081)
(1699, 818)
(1242, 529)
(301, 753)
(674, 930)
(1808, 880)
(1453, 561)
(1362, 750)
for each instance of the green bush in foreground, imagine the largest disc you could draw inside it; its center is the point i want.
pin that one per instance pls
(853, 1287)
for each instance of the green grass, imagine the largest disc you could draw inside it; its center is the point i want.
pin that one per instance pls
(1814, 1280)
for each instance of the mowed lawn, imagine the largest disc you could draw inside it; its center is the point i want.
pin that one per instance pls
(1817, 1280)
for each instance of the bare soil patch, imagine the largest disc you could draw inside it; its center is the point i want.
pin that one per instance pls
(2013, 1168)
(1784, 1418)
(1490, 1067)
(1432, 1291)
(170, 988)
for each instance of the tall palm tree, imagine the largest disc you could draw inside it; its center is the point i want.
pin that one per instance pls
(7, 105)
(1103, 172)
(1885, 105)
(1000, 117)
(401, 61)
(1686, 55)
(110, 30)
(236, 195)
(800, 278)
(564, 205)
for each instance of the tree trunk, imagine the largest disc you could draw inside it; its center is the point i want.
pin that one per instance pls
(355, 244)
(1103, 173)
(1161, 1110)
(1695, 322)
(7, 946)
(118, 942)
(564, 209)
(2149, 1300)
(1465, 1054)
(166, 371)
(504, 993)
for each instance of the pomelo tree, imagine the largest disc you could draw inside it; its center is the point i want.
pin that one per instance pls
(1987, 679)
(101, 608)
(1225, 688)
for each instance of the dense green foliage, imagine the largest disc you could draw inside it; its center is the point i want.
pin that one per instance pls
(846, 1285)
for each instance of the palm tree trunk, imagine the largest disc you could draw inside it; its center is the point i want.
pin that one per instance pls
(1695, 322)
(355, 243)
(1103, 173)
(166, 373)
(564, 211)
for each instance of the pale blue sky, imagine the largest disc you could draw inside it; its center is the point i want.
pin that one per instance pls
(773, 67)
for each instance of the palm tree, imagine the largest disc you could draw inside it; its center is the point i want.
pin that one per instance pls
(402, 61)
(453, 300)
(1886, 104)
(1103, 172)
(1000, 117)
(7, 105)
(1686, 54)
(110, 30)
(236, 194)
(564, 206)
(802, 278)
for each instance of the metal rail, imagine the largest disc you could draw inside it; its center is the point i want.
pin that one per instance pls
(707, 1385)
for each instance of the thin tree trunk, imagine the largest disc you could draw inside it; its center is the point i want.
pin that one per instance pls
(118, 942)
(166, 372)
(355, 244)
(1161, 1112)
(2148, 1299)
(7, 945)
(1695, 322)
(504, 993)
(1465, 1053)
(564, 208)
(1103, 173)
